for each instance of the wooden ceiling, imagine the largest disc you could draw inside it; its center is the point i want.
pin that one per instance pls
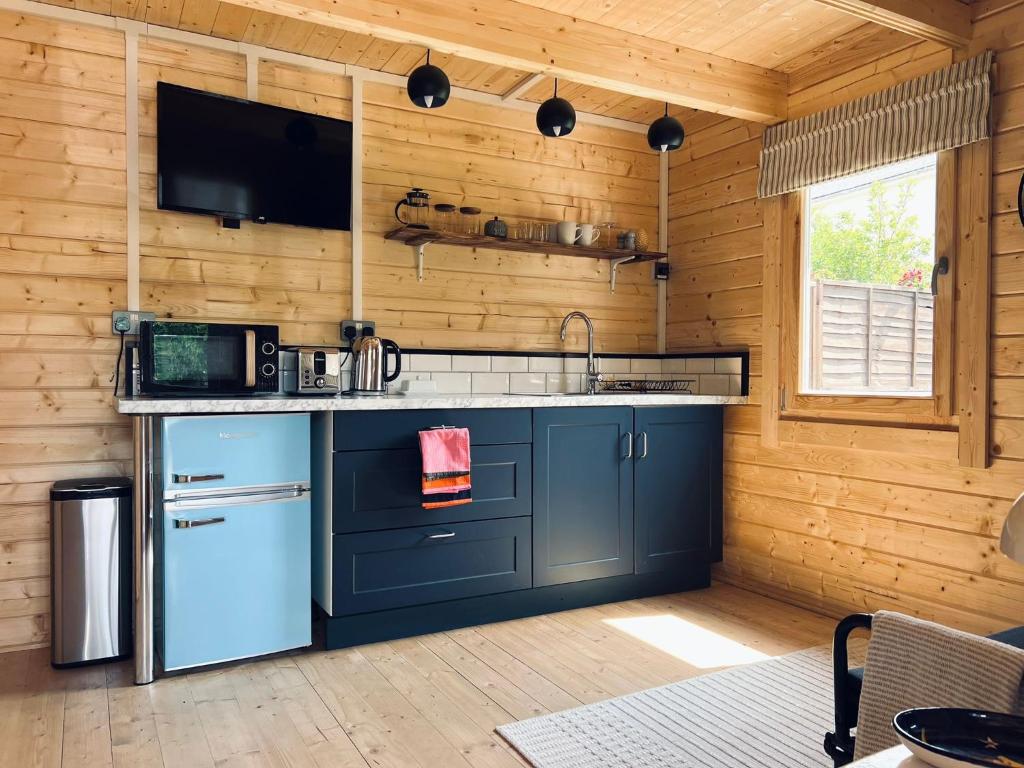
(782, 35)
(763, 32)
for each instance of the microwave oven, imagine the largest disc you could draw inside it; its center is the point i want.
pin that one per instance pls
(183, 359)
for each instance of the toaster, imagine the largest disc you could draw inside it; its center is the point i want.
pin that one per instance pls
(311, 370)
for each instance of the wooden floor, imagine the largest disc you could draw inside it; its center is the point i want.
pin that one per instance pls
(427, 702)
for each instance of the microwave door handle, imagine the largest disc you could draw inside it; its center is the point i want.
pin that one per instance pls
(250, 358)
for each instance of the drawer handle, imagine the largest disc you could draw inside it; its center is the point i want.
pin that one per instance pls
(643, 454)
(445, 535)
(196, 478)
(198, 523)
(629, 445)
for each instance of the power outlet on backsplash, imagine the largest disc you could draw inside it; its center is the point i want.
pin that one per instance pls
(127, 322)
(351, 329)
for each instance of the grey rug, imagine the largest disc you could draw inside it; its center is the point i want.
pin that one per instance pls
(770, 714)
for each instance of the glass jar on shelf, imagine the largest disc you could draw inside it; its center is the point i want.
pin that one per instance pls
(469, 220)
(444, 217)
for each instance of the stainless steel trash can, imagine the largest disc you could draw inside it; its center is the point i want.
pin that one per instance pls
(90, 567)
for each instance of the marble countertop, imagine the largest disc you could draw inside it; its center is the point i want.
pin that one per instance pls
(398, 402)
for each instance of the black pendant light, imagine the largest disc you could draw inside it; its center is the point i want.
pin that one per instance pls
(428, 86)
(666, 133)
(556, 117)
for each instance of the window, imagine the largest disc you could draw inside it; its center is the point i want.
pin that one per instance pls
(867, 319)
(853, 260)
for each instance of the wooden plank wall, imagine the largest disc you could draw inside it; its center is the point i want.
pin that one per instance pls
(191, 267)
(493, 158)
(840, 517)
(63, 250)
(62, 270)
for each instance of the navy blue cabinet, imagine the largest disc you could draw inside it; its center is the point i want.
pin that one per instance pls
(677, 486)
(427, 564)
(572, 506)
(582, 494)
(375, 490)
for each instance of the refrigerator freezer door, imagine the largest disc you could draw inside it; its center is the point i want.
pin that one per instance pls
(206, 453)
(236, 581)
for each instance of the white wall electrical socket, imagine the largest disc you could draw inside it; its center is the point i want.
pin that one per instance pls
(123, 321)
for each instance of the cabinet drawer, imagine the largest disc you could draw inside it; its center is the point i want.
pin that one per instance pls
(391, 569)
(376, 490)
(394, 430)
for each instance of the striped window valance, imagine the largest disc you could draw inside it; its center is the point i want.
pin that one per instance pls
(942, 110)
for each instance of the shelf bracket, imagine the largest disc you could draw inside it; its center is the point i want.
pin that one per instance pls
(419, 261)
(615, 264)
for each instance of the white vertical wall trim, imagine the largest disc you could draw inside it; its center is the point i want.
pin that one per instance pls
(131, 135)
(663, 247)
(252, 75)
(357, 196)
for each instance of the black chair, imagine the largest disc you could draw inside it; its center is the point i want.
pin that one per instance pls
(847, 684)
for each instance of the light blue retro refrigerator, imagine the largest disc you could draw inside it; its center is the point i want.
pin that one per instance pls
(233, 546)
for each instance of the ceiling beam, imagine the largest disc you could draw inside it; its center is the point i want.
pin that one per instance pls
(942, 21)
(512, 34)
(520, 88)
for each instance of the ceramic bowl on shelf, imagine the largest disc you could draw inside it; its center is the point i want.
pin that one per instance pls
(962, 738)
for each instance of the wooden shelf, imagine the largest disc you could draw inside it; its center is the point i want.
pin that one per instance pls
(419, 238)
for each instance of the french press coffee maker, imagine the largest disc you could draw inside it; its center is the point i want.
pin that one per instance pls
(418, 203)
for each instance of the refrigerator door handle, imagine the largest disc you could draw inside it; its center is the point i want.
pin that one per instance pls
(198, 523)
(183, 479)
(237, 500)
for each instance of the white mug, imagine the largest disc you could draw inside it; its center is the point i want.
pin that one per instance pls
(568, 232)
(589, 234)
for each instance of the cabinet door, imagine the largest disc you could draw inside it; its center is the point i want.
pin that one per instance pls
(380, 570)
(582, 494)
(235, 581)
(678, 493)
(377, 490)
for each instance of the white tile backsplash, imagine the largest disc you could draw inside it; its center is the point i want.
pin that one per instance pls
(714, 384)
(527, 382)
(510, 364)
(578, 364)
(471, 363)
(641, 365)
(430, 362)
(546, 364)
(490, 383)
(613, 365)
(498, 374)
(728, 365)
(452, 383)
(563, 382)
(700, 365)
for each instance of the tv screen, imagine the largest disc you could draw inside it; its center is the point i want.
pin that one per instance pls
(244, 160)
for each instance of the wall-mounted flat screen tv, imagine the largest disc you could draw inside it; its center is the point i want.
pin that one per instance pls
(240, 159)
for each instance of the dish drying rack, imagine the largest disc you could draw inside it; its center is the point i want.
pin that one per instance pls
(681, 386)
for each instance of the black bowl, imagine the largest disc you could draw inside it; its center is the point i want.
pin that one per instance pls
(968, 735)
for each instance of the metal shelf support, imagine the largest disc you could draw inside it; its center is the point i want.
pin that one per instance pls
(615, 264)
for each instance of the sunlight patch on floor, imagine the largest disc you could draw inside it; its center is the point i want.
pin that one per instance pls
(693, 644)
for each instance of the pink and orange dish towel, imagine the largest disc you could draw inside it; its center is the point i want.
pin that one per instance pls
(445, 453)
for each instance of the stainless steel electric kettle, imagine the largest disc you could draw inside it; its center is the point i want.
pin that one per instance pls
(370, 365)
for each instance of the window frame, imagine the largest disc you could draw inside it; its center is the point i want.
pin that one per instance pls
(936, 410)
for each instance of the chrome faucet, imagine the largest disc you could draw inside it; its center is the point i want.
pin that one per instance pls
(592, 376)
